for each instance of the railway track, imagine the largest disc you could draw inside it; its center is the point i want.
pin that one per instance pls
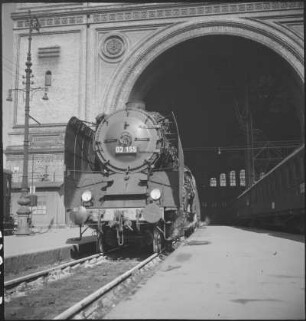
(24, 282)
(45, 294)
(93, 306)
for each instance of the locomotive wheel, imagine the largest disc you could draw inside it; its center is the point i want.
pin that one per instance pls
(169, 246)
(147, 238)
(157, 240)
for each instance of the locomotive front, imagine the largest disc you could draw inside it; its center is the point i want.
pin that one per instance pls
(127, 184)
(128, 140)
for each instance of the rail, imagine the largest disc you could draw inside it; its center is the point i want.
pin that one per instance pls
(92, 298)
(30, 277)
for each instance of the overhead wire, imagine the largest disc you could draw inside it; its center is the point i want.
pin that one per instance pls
(9, 68)
(260, 145)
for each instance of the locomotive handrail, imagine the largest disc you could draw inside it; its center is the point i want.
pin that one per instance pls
(93, 184)
(160, 183)
(174, 169)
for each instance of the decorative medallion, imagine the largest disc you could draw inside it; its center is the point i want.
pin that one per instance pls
(113, 47)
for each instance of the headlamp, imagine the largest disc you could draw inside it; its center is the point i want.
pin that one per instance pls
(86, 196)
(155, 194)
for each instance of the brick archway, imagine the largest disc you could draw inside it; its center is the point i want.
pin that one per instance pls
(286, 44)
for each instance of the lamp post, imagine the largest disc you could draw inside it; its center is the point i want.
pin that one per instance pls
(24, 211)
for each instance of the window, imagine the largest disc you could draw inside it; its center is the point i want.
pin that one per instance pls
(48, 76)
(279, 181)
(259, 192)
(41, 208)
(292, 171)
(16, 174)
(49, 52)
(285, 174)
(222, 179)
(232, 178)
(269, 187)
(213, 182)
(264, 190)
(242, 177)
(273, 184)
(301, 167)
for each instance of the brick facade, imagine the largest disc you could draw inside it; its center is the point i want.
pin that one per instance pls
(97, 51)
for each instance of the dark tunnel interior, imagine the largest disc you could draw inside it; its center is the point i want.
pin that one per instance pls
(210, 83)
(238, 105)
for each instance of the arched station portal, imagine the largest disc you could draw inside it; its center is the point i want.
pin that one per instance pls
(211, 83)
(238, 103)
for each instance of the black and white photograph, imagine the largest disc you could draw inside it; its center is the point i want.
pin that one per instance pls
(153, 160)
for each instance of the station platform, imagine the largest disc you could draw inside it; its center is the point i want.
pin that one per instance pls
(223, 272)
(43, 247)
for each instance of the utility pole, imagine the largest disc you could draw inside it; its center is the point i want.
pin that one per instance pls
(250, 171)
(24, 211)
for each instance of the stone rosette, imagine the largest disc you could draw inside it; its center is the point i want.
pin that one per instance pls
(112, 47)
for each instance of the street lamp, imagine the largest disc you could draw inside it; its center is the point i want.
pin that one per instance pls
(24, 211)
(10, 98)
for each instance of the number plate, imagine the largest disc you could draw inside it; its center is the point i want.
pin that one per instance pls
(126, 149)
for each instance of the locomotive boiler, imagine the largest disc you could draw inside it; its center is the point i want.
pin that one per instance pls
(125, 178)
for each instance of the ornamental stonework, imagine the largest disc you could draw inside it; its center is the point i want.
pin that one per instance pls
(56, 21)
(199, 10)
(262, 32)
(174, 11)
(112, 47)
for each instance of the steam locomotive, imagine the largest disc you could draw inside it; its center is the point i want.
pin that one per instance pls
(125, 178)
